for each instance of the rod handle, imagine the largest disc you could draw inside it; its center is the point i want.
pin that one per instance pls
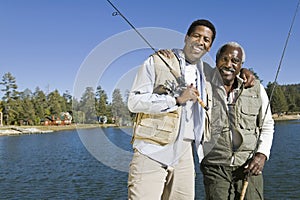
(244, 189)
(202, 103)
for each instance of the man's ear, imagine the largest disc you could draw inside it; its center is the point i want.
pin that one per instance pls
(208, 49)
(185, 38)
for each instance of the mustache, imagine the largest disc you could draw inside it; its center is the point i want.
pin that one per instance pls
(231, 69)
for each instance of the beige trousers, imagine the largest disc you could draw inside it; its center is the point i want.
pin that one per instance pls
(150, 180)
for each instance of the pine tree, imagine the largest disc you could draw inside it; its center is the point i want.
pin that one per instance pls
(87, 105)
(40, 103)
(26, 109)
(9, 98)
(278, 101)
(118, 107)
(101, 102)
(55, 103)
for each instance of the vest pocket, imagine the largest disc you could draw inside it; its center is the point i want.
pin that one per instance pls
(248, 117)
(158, 129)
(218, 119)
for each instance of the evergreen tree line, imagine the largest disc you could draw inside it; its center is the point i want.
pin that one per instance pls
(285, 98)
(32, 108)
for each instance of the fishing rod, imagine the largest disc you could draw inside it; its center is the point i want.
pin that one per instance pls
(245, 184)
(179, 79)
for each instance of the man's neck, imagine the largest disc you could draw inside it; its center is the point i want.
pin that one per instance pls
(230, 86)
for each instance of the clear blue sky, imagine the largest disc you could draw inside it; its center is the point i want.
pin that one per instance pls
(45, 43)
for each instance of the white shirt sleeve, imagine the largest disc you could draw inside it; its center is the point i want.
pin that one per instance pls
(141, 97)
(266, 137)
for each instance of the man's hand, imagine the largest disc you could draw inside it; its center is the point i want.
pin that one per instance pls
(166, 52)
(189, 94)
(256, 165)
(248, 77)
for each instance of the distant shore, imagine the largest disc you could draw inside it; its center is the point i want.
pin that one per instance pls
(20, 130)
(286, 117)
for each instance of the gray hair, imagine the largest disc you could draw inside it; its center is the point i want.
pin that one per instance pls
(232, 44)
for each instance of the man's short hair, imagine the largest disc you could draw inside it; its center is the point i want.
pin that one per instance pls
(202, 22)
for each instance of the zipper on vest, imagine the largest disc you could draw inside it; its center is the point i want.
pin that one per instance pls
(232, 159)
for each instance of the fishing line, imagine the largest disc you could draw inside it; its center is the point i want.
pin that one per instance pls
(133, 27)
(119, 13)
(179, 79)
(280, 62)
(245, 185)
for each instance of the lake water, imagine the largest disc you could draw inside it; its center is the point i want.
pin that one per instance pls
(93, 164)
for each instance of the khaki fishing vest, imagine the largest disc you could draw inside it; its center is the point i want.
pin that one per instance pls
(246, 119)
(163, 128)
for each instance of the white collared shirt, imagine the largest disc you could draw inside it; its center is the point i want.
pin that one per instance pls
(142, 99)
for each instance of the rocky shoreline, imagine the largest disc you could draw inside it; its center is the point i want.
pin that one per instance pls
(286, 117)
(20, 130)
